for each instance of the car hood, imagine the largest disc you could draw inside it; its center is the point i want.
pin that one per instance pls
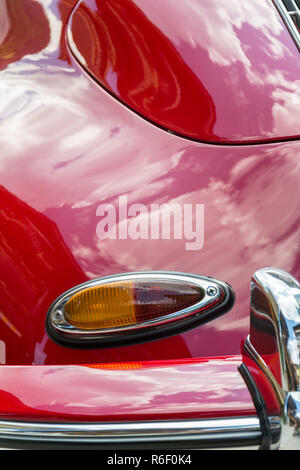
(214, 70)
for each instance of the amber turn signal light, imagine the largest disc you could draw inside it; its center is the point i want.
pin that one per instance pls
(133, 306)
(119, 304)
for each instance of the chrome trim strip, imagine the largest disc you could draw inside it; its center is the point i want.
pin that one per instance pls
(220, 431)
(275, 332)
(287, 18)
(264, 368)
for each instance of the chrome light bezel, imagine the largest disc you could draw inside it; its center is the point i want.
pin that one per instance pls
(218, 298)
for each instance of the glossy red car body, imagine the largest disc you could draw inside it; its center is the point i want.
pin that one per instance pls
(176, 102)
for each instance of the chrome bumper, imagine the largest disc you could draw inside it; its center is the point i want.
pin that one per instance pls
(184, 434)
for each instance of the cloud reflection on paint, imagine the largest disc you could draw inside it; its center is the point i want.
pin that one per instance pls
(67, 146)
(114, 394)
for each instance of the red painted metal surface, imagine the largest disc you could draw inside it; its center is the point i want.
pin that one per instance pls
(210, 70)
(68, 146)
(125, 392)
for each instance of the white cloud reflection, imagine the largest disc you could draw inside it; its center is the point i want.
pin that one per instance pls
(151, 390)
(66, 145)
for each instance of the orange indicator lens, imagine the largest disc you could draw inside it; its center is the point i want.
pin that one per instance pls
(119, 304)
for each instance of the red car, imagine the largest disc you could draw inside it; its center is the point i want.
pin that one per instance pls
(150, 174)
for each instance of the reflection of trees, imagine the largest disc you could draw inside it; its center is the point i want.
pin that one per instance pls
(28, 30)
(64, 7)
(36, 266)
(134, 60)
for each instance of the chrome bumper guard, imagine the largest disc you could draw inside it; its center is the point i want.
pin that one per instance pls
(275, 332)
